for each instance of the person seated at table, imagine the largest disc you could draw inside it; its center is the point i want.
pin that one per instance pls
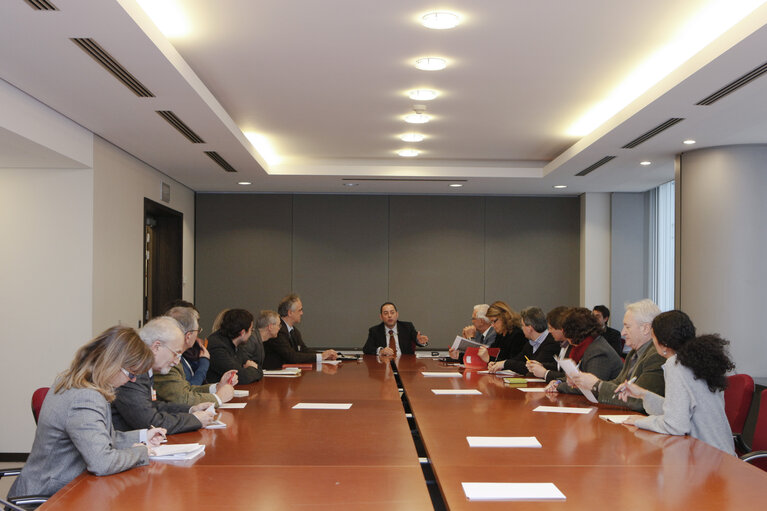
(174, 386)
(267, 327)
(391, 336)
(74, 429)
(695, 378)
(611, 335)
(196, 359)
(541, 346)
(643, 361)
(226, 348)
(480, 331)
(136, 406)
(508, 332)
(289, 347)
(589, 350)
(555, 319)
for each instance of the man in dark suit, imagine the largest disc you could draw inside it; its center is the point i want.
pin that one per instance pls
(136, 406)
(393, 337)
(267, 327)
(611, 335)
(289, 347)
(541, 345)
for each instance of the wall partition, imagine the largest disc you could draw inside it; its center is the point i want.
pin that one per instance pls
(433, 256)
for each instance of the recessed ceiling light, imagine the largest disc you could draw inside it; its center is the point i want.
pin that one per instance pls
(350, 184)
(645, 163)
(422, 94)
(408, 153)
(559, 187)
(689, 141)
(440, 20)
(244, 183)
(417, 118)
(430, 63)
(455, 185)
(411, 137)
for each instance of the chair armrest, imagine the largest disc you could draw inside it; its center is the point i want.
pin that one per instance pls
(740, 445)
(10, 472)
(755, 455)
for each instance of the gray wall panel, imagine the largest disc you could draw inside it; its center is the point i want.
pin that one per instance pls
(339, 266)
(243, 252)
(630, 253)
(436, 262)
(532, 251)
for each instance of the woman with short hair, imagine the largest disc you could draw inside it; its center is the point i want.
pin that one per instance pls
(74, 430)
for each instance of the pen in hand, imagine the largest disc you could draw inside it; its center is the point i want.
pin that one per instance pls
(164, 439)
(622, 387)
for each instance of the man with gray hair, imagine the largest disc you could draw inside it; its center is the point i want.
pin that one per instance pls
(643, 363)
(481, 329)
(540, 347)
(174, 387)
(267, 327)
(136, 405)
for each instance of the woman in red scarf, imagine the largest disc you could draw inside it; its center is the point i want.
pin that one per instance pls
(589, 350)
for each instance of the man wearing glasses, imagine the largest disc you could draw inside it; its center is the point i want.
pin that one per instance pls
(174, 387)
(136, 405)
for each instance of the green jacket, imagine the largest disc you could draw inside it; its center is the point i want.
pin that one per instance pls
(174, 388)
(649, 372)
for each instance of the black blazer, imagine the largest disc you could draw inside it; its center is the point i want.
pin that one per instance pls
(545, 355)
(613, 338)
(379, 338)
(287, 349)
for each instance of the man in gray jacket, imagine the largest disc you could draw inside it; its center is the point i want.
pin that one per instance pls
(136, 405)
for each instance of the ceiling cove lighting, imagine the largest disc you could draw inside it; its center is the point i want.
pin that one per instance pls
(244, 183)
(412, 137)
(689, 141)
(430, 63)
(559, 187)
(700, 29)
(645, 163)
(422, 94)
(440, 20)
(408, 153)
(168, 16)
(264, 147)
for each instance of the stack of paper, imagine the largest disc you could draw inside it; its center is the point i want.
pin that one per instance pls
(512, 491)
(503, 441)
(443, 374)
(562, 409)
(322, 406)
(456, 392)
(288, 372)
(241, 393)
(216, 424)
(616, 419)
(177, 452)
(232, 405)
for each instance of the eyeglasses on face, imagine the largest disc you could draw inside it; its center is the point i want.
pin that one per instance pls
(176, 354)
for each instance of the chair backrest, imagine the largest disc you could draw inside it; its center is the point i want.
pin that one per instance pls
(737, 400)
(37, 401)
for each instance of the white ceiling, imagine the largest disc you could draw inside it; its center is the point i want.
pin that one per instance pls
(325, 81)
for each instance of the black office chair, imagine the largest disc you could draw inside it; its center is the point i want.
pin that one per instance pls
(19, 503)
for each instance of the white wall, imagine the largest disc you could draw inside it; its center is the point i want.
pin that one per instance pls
(595, 249)
(630, 250)
(723, 241)
(46, 258)
(120, 184)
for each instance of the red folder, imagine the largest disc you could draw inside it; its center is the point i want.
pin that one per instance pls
(471, 358)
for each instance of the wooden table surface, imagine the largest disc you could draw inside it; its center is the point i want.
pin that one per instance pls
(273, 457)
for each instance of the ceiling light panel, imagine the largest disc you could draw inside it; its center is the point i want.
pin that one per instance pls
(430, 63)
(440, 20)
(422, 94)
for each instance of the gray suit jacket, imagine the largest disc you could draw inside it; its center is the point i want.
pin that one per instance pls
(489, 338)
(134, 409)
(74, 434)
(599, 359)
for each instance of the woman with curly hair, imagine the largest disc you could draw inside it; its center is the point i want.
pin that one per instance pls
(696, 375)
(589, 350)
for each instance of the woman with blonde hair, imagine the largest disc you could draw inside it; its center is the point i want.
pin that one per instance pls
(508, 332)
(74, 431)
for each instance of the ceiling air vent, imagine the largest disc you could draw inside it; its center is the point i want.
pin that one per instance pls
(213, 155)
(101, 56)
(595, 166)
(657, 129)
(42, 5)
(177, 123)
(735, 85)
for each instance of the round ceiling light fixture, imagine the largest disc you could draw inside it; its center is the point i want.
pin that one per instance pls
(244, 183)
(422, 94)
(455, 185)
(559, 187)
(412, 137)
(408, 153)
(440, 20)
(430, 63)
(689, 141)
(645, 163)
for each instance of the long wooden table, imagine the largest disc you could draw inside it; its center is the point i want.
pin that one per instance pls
(273, 457)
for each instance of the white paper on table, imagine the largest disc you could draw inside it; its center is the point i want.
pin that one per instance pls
(443, 374)
(505, 372)
(429, 354)
(532, 389)
(232, 405)
(503, 441)
(460, 343)
(322, 406)
(535, 380)
(569, 367)
(177, 451)
(456, 392)
(287, 372)
(331, 362)
(512, 491)
(563, 409)
(241, 393)
(616, 419)
(216, 424)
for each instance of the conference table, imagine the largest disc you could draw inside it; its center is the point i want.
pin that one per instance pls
(272, 456)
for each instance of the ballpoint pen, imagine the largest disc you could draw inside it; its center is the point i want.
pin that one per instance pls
(620, 388)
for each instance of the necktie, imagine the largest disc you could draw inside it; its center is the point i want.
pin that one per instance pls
(392, 341)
